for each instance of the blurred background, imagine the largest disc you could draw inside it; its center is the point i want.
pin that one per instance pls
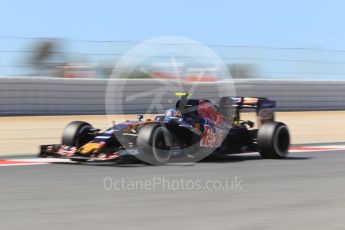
(290, 40)
(68, 58)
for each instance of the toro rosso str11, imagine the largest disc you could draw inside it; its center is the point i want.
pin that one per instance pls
(192, 130)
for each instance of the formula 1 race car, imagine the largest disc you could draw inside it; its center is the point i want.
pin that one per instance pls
(191, 131)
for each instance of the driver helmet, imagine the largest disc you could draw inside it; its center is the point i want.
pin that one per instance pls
(170, 113)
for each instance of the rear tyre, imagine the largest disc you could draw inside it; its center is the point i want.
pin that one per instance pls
(273, 140)
(76, 134)
(155, 143)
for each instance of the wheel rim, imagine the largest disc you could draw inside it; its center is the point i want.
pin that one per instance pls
(282, 141)
(161, 149)
(81, 135)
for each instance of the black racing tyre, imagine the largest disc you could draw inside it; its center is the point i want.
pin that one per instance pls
(155, 143)
(76, 134)
(273, 140)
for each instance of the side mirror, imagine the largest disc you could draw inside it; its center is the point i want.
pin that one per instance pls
(140, 117)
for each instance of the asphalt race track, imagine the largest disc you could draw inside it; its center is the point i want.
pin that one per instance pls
(305, 191)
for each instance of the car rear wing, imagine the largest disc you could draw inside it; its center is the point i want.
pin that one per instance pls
(264, 108)
(257, 103)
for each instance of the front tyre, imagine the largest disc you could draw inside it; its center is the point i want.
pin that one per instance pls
(76, 134)
(155, 142)
(273, 140)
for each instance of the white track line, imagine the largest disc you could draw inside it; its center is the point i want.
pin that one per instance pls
(22, 164)
(44, 160)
